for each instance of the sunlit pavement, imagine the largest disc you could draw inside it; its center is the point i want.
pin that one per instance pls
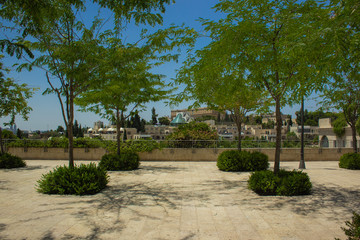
(177, 200)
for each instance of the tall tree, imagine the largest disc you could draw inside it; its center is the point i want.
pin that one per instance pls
(164, 121)
(212, 78)
(153, 116)
(13, 100)
(71, 52)
(271, 41)
(126, 84)
(342, 92)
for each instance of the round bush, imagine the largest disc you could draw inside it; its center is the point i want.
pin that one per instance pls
(234, 161)
(79, 180)
(350, 161)
(263, 182)
(124, 162)
(284, 183)
(10, 161)
(258, 161)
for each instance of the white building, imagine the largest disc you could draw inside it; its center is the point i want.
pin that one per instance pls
(328, 139)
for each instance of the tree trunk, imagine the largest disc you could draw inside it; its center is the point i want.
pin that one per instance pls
(353, 131)
(71, 144)
(70, 130)
(238, 124)
(278, 136)
(1, 142)
(302, 160)
(118, 126)
(239, 140)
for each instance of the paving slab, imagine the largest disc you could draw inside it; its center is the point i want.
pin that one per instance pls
(177, 200)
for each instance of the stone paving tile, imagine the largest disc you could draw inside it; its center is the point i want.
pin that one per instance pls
(177, 200)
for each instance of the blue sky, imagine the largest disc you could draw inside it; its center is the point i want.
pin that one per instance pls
(46, 113)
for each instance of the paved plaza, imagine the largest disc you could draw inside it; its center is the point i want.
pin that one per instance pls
(177, 200)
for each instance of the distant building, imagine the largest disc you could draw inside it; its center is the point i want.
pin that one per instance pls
(328, 139)
(181, 118)
(309, 131)
(196, 113)
(109, 133)
(158, 132)
(272, 118)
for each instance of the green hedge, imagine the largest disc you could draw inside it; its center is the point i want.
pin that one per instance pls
(10, 161)
(235, 161)
(124, 162)
(284, 183)
(350, 161)
(79, 180)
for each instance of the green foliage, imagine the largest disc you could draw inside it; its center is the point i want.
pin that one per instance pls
(164, 121)
(153, 116)
(124, 162)
(353, 230)
(312, 118)
(234, 161)
(192, 135)
(284, 183)
(350, 161)
(269, 125)
(59, 142)
(78, 180)
(10, 161)
(258, 161)
(136, 146)
(13, 97)
(339, 126)
(6, 134)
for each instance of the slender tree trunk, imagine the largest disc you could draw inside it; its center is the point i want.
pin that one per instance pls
(71, 144)
(70, 129)
(302, 161)
(1, 142)
(238, 124)
(278, 136)
(118, 126)
(353, 131)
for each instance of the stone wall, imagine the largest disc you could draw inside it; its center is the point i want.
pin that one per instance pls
(179, 154)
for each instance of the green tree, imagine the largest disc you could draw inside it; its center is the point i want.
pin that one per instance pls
(273, 43)
(342, 93)
(70, 52)
(339, 126)
(154, 120)
(126, 85)
(60, 129)
(13, 99)
(211, 78)
(164, 121)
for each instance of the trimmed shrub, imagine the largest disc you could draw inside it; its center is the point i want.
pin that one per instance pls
(258, 161)
(79, 180)
(263, 182)
(350, 161)
(230, 161)
(10, 161)
(293, 183)
(284, 183)
(353, 231)
(124, 162)
(234, 161)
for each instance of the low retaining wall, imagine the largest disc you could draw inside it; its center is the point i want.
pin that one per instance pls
(179, 154)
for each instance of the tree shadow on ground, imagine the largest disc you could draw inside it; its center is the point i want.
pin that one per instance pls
(331, 201)
(27, 168)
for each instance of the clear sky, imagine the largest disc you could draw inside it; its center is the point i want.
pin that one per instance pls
(46, 113)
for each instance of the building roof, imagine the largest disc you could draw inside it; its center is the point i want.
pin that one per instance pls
(178, 120)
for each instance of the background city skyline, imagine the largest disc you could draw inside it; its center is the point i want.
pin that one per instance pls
(46, 112)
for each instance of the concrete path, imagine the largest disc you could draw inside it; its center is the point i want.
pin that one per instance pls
(177, 200)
